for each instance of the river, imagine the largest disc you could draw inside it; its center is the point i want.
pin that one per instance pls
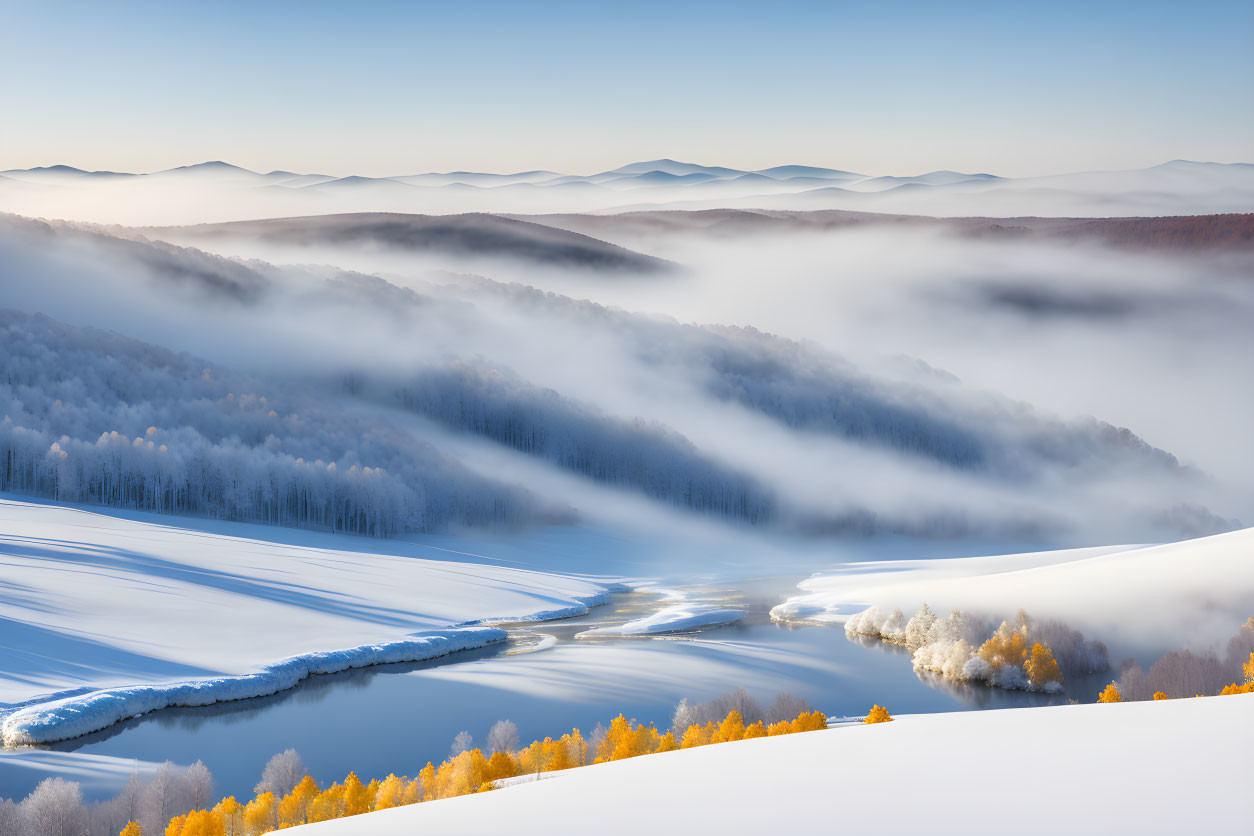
(394, 718)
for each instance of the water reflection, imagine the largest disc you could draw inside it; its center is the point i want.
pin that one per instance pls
(312, 691)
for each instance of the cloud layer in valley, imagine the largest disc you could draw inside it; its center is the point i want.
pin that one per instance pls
(493, 403)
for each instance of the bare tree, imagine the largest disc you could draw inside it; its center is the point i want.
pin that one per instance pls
(595, 739)
(786, 707)
(163, 798)
(128, 800)
(502, 737)
(683, 718)
(282, 773)
(106, 817)
(463, 742)
(55, 808)
(200, 786)
(10, 818)
(738, 700)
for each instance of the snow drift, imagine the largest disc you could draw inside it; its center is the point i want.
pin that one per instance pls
(672, 619)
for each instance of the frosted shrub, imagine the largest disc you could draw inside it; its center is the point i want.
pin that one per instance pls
(865, 623)
(1010, 676)
(894, 628)
(977, 669)
(955, 664)
(944, 657)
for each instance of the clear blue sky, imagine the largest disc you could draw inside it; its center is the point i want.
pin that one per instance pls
(391, 88)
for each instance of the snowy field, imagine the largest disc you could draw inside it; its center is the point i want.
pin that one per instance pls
(96, 601)
(1089, 769)
(1137, 599)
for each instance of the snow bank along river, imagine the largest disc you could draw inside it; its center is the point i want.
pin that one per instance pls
(396, 717)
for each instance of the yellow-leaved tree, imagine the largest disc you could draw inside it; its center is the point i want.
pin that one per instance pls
(202, 823)
(1007, 646)
(501, 765)
(231, 813)
(1159, 695)
(878, 714)
(1111, 694)
(426, 777)
(328, 805)
(260, 815)
(391, 791)
(732, 728)
(1234, 688)
(294, 807)
(696, 735)
(1041, 667)
(132, 829)
(356, 798)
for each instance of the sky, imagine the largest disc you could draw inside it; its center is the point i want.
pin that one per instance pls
(389, 88)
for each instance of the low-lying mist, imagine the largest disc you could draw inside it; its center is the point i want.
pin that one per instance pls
(858, 382)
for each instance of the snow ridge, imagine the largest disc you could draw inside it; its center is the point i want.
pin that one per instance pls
(75, 716)
(595, 599)
(672, 619)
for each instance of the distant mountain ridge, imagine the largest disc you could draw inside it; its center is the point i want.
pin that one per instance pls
(1176, 187)
(664, 166)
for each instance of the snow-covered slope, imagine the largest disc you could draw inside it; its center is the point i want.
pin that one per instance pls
(1136, 599)
(92, 601)
(1087, 769)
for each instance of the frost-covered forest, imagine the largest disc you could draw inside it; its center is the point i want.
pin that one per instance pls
(90, 416)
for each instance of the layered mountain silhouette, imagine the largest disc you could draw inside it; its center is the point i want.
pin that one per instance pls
(1179, 187)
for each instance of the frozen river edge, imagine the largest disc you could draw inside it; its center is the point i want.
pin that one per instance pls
(62, 719)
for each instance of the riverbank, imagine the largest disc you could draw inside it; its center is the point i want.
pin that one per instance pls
(107, 617)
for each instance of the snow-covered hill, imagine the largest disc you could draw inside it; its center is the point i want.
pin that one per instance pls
(94, 601)
(1067, 769)
(1137, 599)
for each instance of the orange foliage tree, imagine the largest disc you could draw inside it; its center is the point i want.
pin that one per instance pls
(1111, 694)
(1007, 646)
(467, 772)
(878, 714)
(1041, 667)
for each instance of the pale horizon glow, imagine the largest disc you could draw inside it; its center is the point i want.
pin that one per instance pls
(386, 89)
